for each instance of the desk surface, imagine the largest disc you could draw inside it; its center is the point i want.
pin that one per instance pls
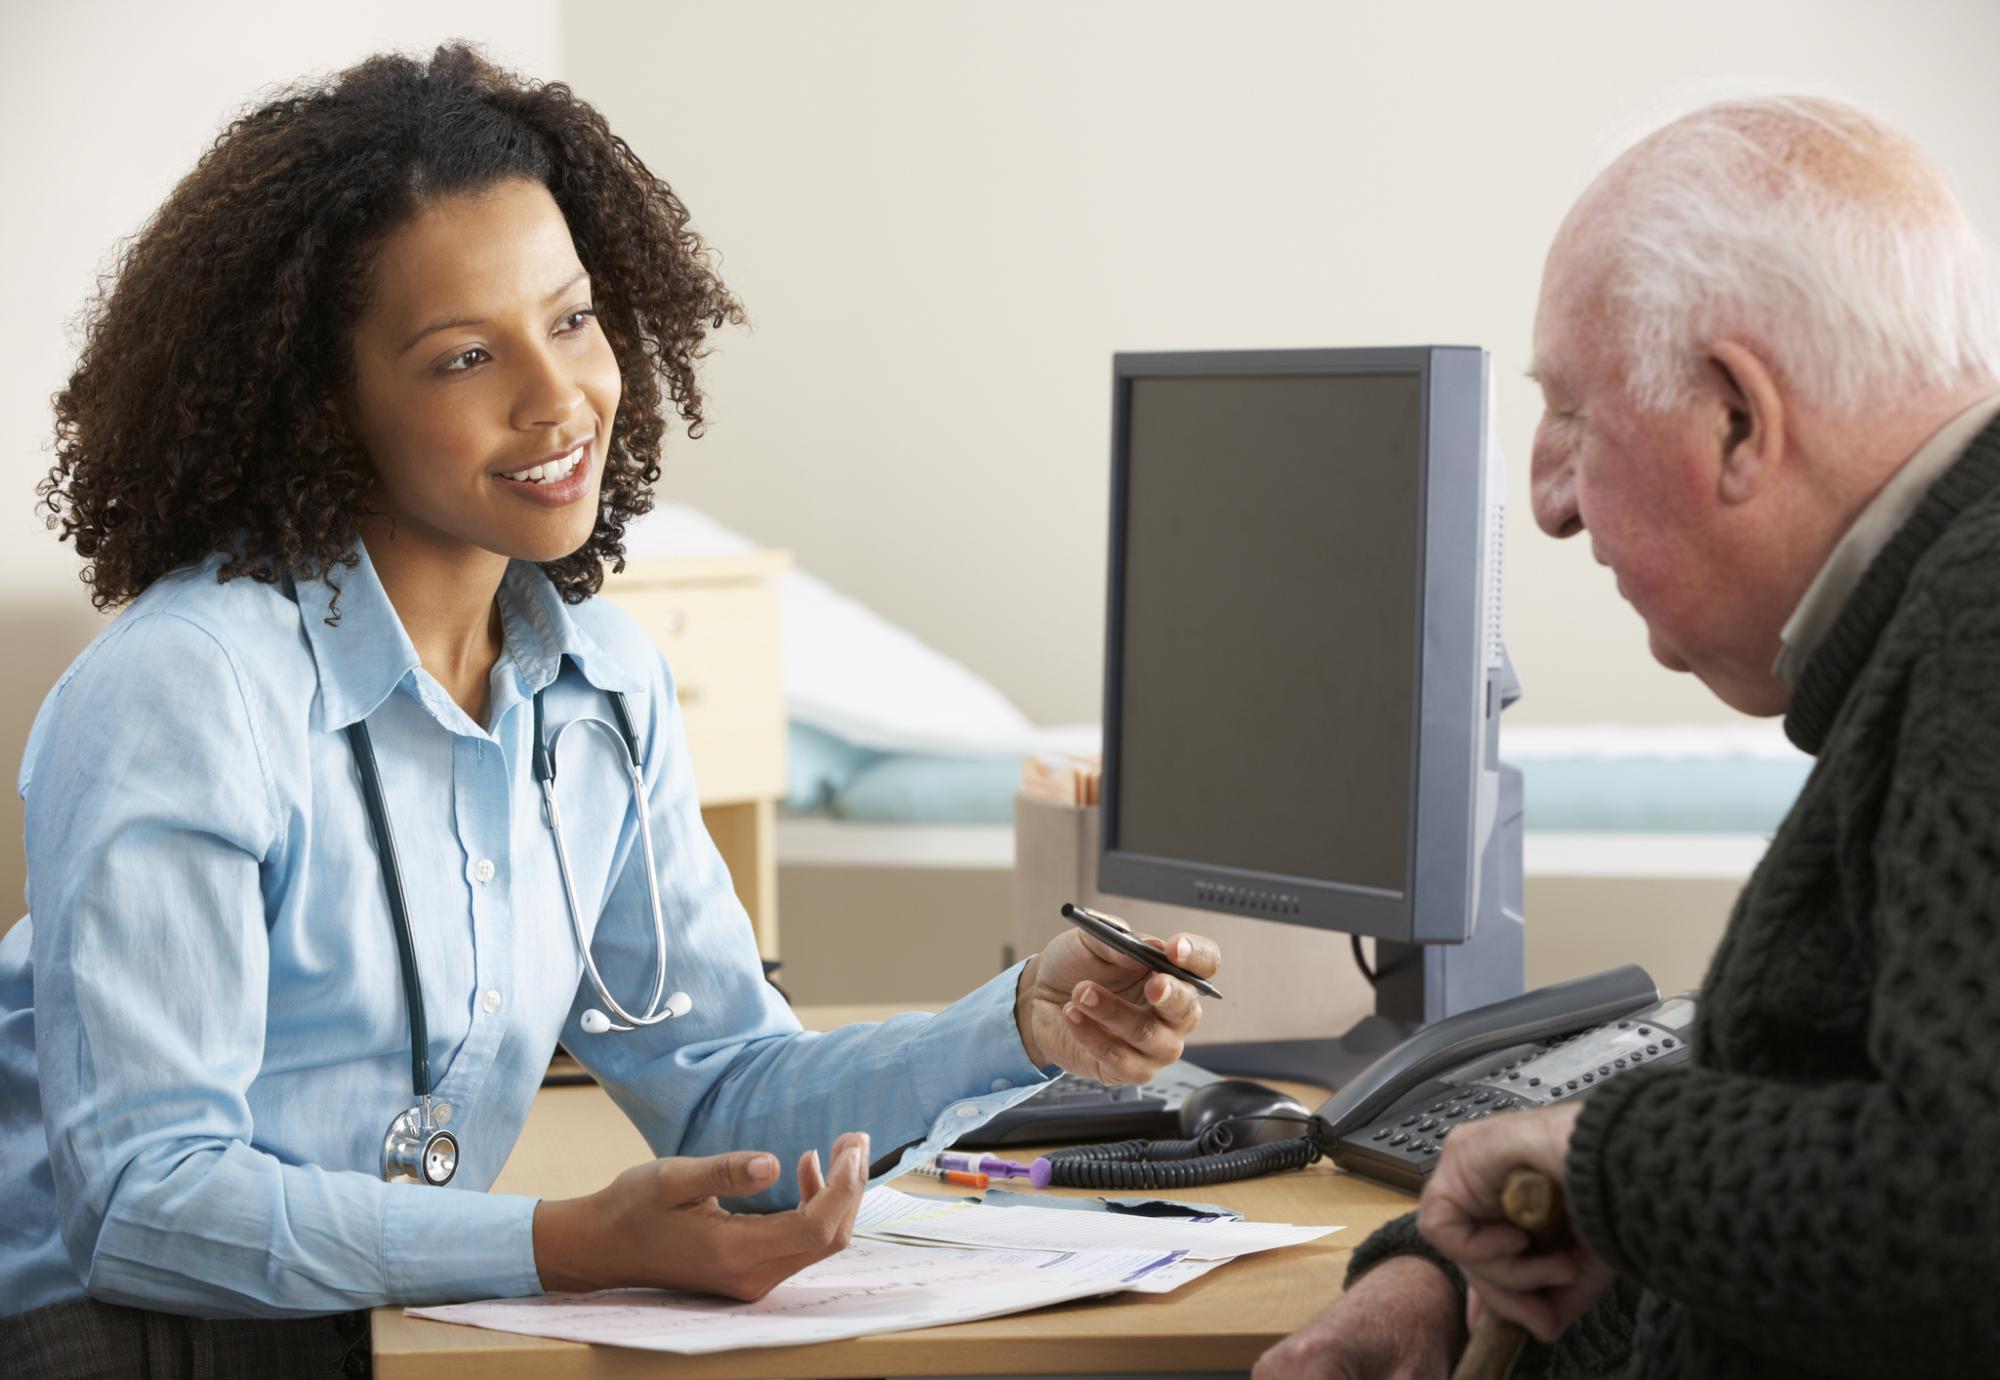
(1220, 1322)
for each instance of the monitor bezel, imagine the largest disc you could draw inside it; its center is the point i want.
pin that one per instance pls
(1438, 899)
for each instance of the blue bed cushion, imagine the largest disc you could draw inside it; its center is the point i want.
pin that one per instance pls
(819, 766)
(907, 789)
(1733, 795)
(1725, 795)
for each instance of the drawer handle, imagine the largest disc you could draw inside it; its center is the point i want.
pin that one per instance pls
(688, 694)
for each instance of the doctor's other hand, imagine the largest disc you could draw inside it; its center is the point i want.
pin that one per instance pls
(1401, 1321)
(658, 1225)
(1087, 1007)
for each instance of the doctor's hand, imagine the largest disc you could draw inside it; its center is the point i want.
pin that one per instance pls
(1089, 1008)
(659, 1226)
(1460, 1214)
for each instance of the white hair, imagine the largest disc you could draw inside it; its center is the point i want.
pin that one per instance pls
(1810, 228)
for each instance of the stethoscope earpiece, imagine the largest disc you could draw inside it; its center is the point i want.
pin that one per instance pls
(595, 1022)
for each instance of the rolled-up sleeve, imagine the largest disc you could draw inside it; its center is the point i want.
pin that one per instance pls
(737, 1072)
(151, 823)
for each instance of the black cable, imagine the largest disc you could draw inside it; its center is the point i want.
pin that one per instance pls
(1176, 1164)
(1068, 1169)
(1354, 943)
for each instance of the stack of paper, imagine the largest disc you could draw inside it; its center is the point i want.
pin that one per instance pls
(915, 1262)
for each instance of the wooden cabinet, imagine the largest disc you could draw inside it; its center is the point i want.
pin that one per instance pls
(716, 619)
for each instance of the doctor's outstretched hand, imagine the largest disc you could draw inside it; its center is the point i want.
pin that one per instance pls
(1092, 1010)
(659, 1226)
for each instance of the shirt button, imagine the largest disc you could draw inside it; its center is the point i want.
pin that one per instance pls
(483, 870)
(1002, 1084)
(491, 1001)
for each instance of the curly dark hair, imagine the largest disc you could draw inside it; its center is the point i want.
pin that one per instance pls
(200, 417)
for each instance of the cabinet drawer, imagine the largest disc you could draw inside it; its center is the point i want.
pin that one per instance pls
(721, 640)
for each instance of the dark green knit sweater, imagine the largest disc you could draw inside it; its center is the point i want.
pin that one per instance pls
(1817, 1192)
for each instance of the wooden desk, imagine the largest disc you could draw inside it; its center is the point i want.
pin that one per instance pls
(1221, 1322)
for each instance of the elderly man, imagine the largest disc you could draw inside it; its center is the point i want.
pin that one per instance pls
(1771, 365)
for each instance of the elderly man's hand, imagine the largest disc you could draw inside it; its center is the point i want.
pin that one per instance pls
(1400, 1321)
(1087, 1007)
(1544, 1291)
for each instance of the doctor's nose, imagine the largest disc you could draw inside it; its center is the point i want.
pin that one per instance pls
(549, 395)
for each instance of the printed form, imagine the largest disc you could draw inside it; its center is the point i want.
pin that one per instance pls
(914, 1262)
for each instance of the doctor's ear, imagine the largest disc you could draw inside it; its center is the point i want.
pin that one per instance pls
(1749, 420)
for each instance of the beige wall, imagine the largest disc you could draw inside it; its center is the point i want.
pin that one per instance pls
(105, 107)
(944, 217)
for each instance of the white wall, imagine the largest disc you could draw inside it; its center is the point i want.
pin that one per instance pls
(105, 106)
(944, 217)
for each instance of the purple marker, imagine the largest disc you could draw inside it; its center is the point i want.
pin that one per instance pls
(991, 1165)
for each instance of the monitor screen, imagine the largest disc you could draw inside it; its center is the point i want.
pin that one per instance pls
(1271, 606)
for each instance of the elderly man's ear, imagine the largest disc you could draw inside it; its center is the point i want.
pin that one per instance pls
(1749, 421)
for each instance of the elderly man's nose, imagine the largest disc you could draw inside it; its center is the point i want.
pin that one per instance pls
(1553, 495)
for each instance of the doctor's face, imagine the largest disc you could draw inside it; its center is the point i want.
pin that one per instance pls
(484, 390)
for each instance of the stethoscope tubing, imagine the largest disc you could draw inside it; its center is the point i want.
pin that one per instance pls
(545, 749)
(654, 1013)
(399, 910)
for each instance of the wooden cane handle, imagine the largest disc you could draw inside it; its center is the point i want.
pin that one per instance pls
(1532, 1202)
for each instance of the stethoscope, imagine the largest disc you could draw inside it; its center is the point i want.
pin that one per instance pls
(417, 1147)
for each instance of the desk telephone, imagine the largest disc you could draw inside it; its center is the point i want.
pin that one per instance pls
(1545, 1046)
(1390, 1121)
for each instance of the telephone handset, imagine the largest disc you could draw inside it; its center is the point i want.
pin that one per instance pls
(1544, 1046)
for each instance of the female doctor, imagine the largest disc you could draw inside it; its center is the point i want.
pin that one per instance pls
(354, 433)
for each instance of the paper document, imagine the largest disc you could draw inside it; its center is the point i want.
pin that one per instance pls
(913, 1262)
(872, 1286)
(958, 1223)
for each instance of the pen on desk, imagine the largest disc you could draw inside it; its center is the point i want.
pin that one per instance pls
(951, 1176)
(982, 1164)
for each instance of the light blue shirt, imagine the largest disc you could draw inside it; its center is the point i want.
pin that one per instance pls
(203, 1032)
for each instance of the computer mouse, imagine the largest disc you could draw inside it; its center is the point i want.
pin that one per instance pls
(1270, 1114)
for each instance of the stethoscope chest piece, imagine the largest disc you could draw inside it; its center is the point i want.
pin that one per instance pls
(417, 1151)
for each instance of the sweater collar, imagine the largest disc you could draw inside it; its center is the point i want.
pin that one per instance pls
(1829, 673)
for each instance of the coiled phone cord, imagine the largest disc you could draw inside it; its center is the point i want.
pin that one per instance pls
(1170, 1164)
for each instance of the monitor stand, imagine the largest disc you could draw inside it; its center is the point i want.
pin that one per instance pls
(1415, 984)
(1326, 1063)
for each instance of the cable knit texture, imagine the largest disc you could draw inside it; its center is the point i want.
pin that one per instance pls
(1813, 1194)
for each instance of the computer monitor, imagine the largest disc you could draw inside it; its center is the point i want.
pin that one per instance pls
(1304, 671)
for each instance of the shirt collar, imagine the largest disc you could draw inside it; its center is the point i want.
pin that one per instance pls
(1871, 530)
(367, 654)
